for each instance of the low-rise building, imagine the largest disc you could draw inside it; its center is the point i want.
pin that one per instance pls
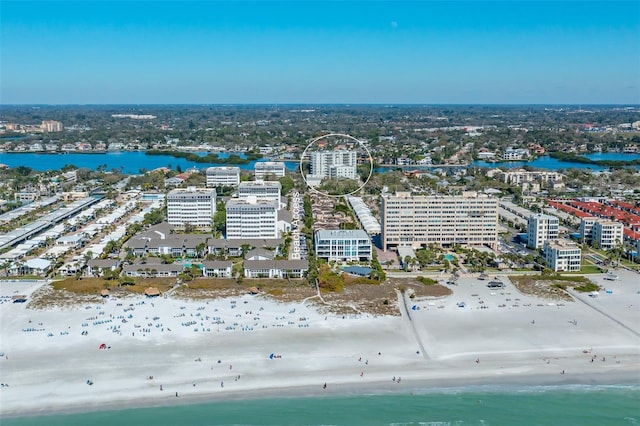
(217, 268)
(515, 154)
(152, 270)
(98, 267)
(343, 245)
(562, 255)
(275, 268)
(77, 240)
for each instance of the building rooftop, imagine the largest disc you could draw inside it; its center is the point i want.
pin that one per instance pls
(341, 233)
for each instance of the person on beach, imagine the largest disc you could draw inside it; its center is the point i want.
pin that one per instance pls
(325, 386)
(160, 387)
(176, 394)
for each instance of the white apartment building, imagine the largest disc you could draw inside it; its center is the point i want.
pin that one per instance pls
(416, 221)
(586, 228)
(252, 218)
(607, 233)
(260, 189)
(343, 245)
(562, 255)
(264, 169)
(325, 164)
(515, 154)
(51, 126)
(522, 176)
(540, 228)
(195, 206)
(223, 176)
(343, 172)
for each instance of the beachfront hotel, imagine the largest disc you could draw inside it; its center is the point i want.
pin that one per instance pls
(417, 221)
(334, 164)
(223, 176)
(251, 217)
(266, 169)
(194, 206)
(343, 245)
(540, 228)
(260, 189)
(562, 255)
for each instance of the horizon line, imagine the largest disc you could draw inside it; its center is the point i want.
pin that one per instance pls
(384, 104)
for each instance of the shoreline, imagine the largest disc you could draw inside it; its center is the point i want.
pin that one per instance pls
(522, 384)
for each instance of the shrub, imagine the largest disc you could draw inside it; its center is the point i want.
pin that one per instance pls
(587, 287)
(427, 281)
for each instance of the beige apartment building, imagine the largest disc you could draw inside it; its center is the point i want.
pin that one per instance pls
(416, 221)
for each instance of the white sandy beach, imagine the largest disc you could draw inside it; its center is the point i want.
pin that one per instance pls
(223, 348)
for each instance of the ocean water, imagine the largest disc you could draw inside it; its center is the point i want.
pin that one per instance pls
(568, 405)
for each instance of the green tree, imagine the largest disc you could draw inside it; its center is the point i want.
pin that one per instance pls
(220, 220)
(287, 184)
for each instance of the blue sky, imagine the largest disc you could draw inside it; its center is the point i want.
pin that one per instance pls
(319, 52)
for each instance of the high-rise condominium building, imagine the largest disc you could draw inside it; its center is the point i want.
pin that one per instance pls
(540, 228)
(195, 206)
(51, 126)
(417, 221)
(334, 164)
(252, 218)
(260, 189)
(266, 169)
(223, 176)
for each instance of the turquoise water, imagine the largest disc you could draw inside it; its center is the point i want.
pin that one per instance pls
(130, 162)
(599, 405)
(449, 257)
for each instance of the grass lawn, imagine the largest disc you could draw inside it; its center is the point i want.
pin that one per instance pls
(588, 268)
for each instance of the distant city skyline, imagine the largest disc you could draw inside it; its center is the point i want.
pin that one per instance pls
(305, 52)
